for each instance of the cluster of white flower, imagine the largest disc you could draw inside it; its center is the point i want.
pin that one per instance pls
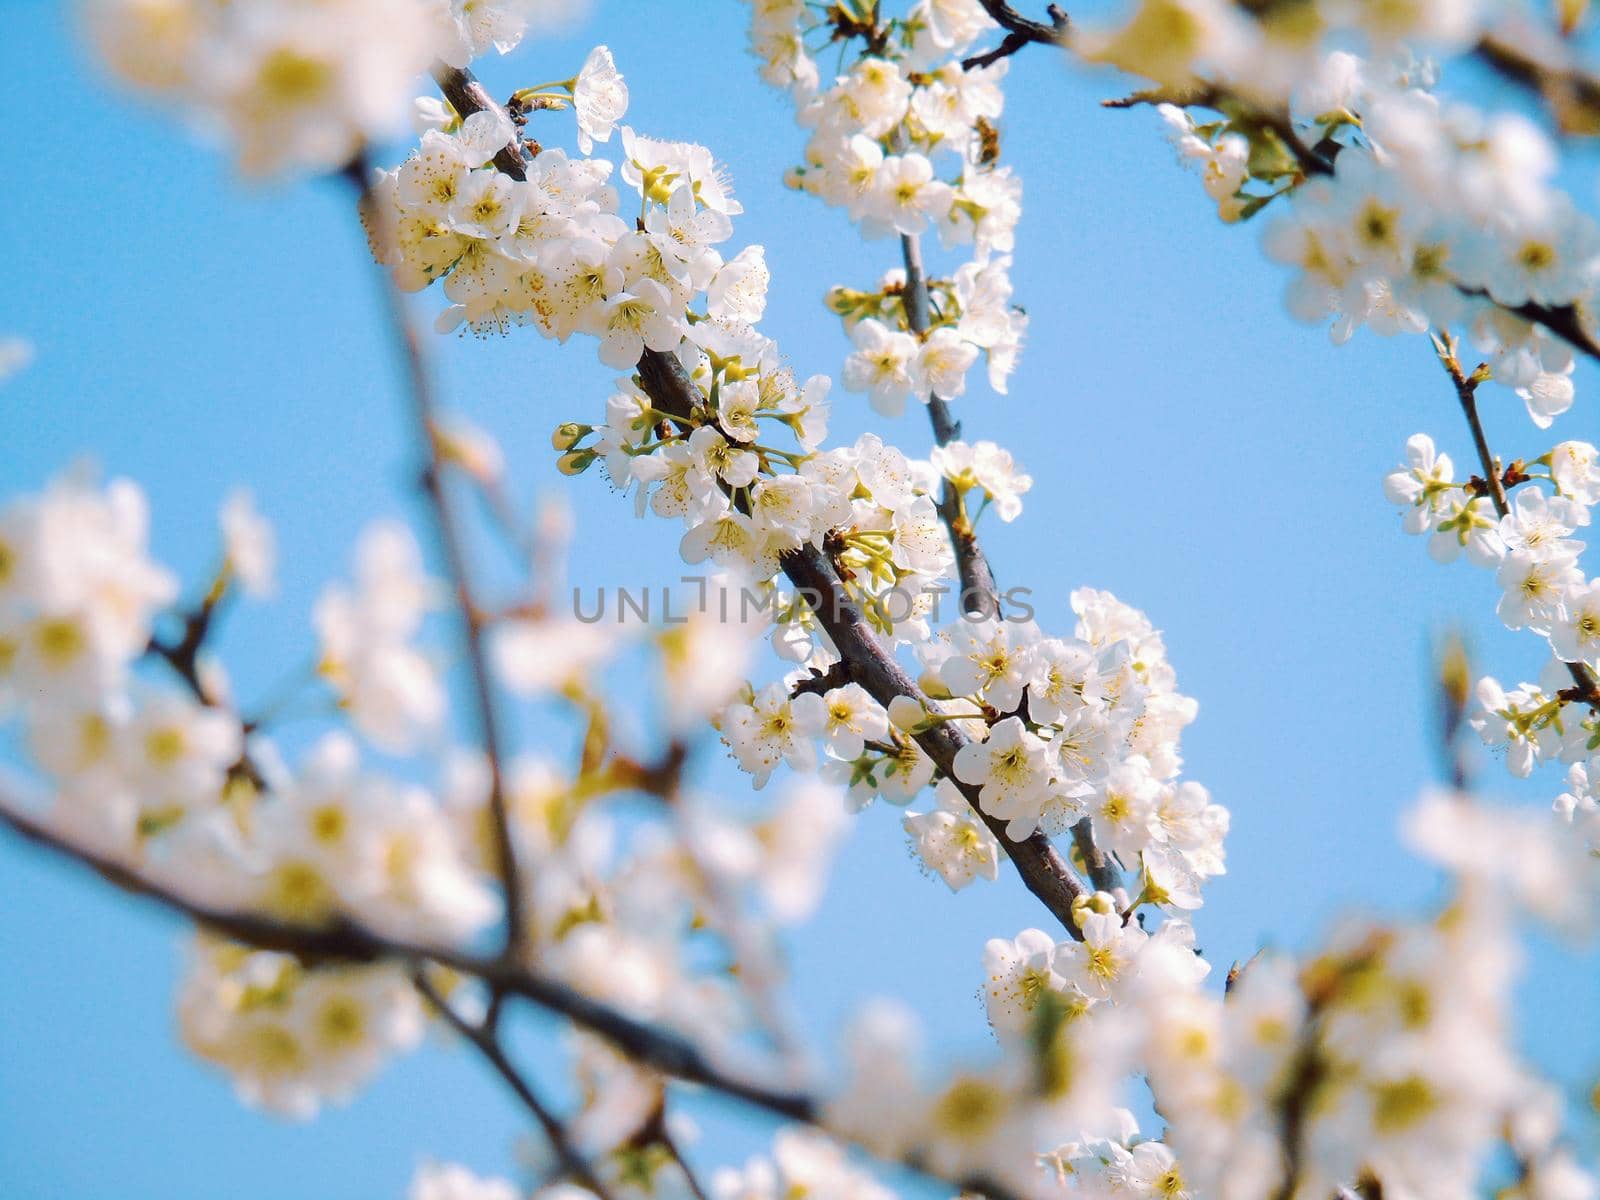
(1087, 726)
(78, 599)
(153, 777)
(295, 84)
(550, 249)
(878, 133)
(552, 252)
(335, 840)
(1385, 1056)
(1544, 590)
(1063, 729)
(1119, 1165)
(293, 1037)
(1438, 222)
(1409, 211)
(145, 774)
(987, 468)
(1025, 973)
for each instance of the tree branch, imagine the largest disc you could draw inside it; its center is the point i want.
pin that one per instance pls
(979, 592)
(452, 541)
(345, 940)
(1020, 31)
(467, 96)
(1045, 873)
(1467, 396)
(1203, 94)
(573, 1162)
(979, 595)
(1043, 870)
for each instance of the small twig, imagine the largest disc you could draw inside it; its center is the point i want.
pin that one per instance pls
(183, 656)
(979, 594)
(822, 682)
(573, 1161)
(452, 541)
(1467, 395)
(1202, 94)
(1020, 31)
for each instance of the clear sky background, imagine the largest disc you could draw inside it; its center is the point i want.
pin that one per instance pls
(1195, 451)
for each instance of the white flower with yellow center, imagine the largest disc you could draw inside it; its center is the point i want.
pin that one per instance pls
(599, 98)
(1018, 974)
(853, 718)
(775, 728)
(1012, 772)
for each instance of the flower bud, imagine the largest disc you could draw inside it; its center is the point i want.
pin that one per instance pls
(1099, 904)
(575, 462)
(464, 445)
(568, 434)
(905, 713)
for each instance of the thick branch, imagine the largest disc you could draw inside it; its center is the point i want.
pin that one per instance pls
(467, 96)
(1044, 872)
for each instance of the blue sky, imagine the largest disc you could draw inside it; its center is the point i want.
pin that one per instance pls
(1195, 451)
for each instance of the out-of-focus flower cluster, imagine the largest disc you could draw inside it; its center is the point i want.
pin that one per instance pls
(1408, 209)
(295, 85)
(149, 763)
